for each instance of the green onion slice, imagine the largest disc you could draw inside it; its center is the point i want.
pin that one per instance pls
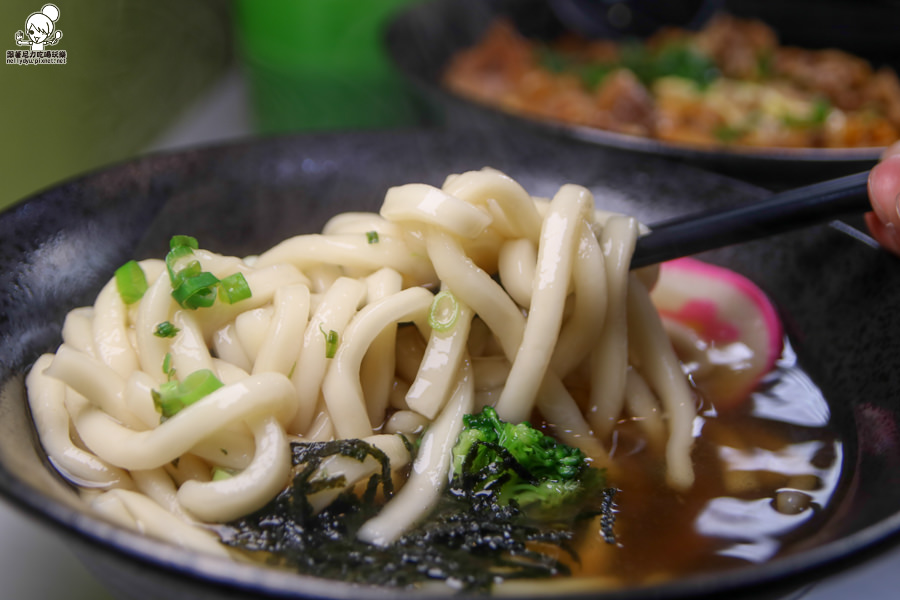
(176, 261)
(167, 367)
(197, 291)
(220, 473)
(174, 396)
(331, 342)
(444, 311)
(183, 240)
(131, 282)
(165, 330)
(372, 237)
(234, 288)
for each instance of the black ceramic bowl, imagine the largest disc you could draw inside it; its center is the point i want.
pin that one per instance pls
(836, 293)
(423, 38)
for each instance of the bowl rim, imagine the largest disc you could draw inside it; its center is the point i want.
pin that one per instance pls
(163, 557)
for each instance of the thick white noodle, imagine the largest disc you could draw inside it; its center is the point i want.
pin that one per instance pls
(341, 387)
(340, 303)
(352, 250)
(269, 393)
(249, 490)
(78, 330)
(430, 470)
(485, 296)
(660, 366)
(189, 350)
(155, 307)
(545, 311)
(644, 407)
(281, 345)
(515, 264)
(378, 365)
(94, 380)
(46, 398)
(505, 198)
(610, 359)
(584, 326)
(556, 255)
(439, 365)
(353, 471)
(227, 347)
(251, 327)
(426, 204)
(137, 511)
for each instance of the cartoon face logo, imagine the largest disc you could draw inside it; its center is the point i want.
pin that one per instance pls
(40, 29)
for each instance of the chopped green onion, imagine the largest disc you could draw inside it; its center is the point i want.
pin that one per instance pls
(331, 342)
(444, 311)
(174, 264)
(197, 291)
(165, 330)
(174, 396)
(372, 237)
(183, 240)
(131, 282)
(220, 473)
(167, 367)
(234, 288)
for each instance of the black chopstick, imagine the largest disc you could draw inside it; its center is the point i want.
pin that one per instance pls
(784, 211)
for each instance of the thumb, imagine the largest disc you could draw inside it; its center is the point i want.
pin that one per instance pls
(884, 190)
(884, 193)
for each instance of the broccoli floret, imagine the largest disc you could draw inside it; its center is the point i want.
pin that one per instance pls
(519, 464)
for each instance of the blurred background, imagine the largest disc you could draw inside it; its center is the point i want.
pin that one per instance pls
(147, 76)
(143, 76)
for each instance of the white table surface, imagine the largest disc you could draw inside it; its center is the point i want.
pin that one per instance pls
(36, 565)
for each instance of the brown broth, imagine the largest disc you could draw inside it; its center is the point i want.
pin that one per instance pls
(779, 444)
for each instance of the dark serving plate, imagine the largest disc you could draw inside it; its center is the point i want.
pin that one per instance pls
(422, 39)
(836, 293)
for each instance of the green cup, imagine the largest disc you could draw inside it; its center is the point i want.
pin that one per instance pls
(320, 64)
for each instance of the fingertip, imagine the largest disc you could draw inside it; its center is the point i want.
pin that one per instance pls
(884, 190)
(892, 150)
(884, 234)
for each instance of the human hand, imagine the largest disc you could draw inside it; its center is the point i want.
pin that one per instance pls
(884, 193)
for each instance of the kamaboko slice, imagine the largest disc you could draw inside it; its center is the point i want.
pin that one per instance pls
(723, 327)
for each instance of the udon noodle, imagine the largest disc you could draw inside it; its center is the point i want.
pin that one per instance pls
(384, 327)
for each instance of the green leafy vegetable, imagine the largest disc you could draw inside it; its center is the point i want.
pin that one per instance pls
(477, 534)
(131, 282)
(470, 541)
(522, 465)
